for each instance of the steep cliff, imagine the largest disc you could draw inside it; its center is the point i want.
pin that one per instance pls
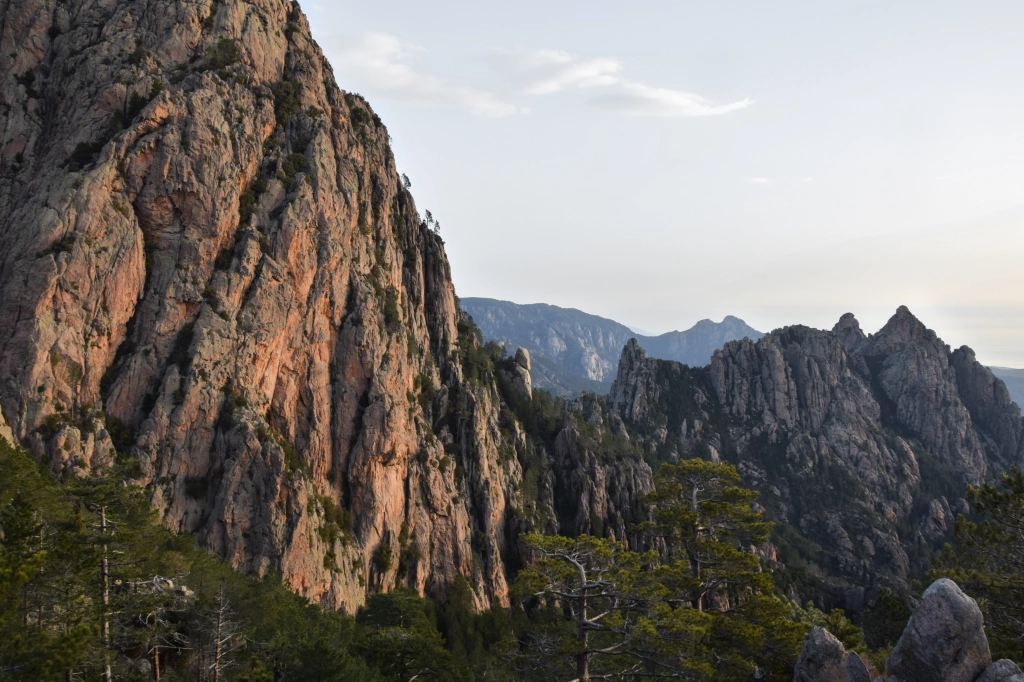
(861, 445)
(212, 274)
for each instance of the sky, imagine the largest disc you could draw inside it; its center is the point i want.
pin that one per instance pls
(658, 163)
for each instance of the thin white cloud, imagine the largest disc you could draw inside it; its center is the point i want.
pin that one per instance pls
(543, 72)
(642, 100)
(787, 181)
(386, 63)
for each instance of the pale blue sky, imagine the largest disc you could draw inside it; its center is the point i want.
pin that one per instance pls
(659, 163)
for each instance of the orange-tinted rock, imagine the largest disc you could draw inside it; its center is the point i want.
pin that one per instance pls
(235, 284)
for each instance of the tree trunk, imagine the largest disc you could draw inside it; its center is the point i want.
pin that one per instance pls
(217, 641)
(582, 636)
(105, 575)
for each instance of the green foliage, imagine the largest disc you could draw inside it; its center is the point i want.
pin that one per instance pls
(290, 167)
(225, 53)
(63, 245)
(246, 207)
(707, 522)
(401, 641)
(698, 607)
(233, 402)
(287, 100)
(990, 563)
(180, 351)
(51, 610)
(337, 521)
(392, 316)
(85, 154)
(121, 435)
(382, 558)
(885, 621)
(835, 622)
(135, 106)
(425, 389)
(477, 359)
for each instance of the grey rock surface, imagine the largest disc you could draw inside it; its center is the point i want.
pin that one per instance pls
(523, 358)
(1003, 670)
(822, 658)
(856, 670)
(944, 640)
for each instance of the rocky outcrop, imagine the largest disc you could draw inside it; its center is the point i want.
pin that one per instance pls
(918, 386)
(991, 408)
(523, 382)
(824, 659)
(861, 444)
(210, 268)
(598, 486)
(1003, 670)
(944, 641)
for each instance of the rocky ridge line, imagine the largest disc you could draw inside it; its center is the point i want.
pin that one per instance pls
(861, 444)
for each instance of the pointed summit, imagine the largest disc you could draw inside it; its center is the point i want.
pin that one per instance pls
(849, 332)
(902, 330)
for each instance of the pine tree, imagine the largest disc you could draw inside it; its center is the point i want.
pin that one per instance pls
(990, 565)
(696, 606)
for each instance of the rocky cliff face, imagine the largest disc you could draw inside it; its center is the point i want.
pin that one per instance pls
(211, 273)
(861, 444)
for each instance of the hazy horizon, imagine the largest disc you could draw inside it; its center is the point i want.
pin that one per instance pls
(659, 164)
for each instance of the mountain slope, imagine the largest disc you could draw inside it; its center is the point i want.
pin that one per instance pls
(587, 346)
(861, 446)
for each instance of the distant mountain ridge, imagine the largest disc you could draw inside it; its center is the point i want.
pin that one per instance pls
(579, 351)
(1014, 380)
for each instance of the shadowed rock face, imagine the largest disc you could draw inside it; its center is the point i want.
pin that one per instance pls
(862, 444)
(208, 255)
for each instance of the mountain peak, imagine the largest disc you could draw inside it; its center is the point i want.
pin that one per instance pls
(903, 329)
(848, 330)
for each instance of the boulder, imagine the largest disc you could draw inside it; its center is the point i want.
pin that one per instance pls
(856, 670)
(944, 640)
(1004, 670)
(523, 358)
(821, 659)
